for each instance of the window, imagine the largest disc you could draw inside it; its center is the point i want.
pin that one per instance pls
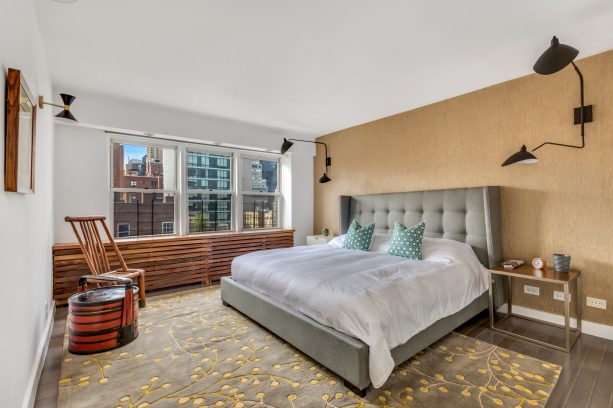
(220, 189)
(168, 227)
(209, 191)
(123, 230)
(143, 188)
(260, 193)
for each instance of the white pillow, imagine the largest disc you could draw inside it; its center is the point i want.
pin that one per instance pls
(337, 242)
(380, 242)
(450, 251)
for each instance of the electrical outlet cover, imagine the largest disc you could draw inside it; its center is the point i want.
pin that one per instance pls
(595, 302)
(532, 290)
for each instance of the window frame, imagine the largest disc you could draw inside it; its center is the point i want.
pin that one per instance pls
(187, 191)
(147, 142)
(278, 193)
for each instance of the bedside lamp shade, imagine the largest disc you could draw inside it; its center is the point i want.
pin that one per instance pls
(556, 57)
(286, 146)
(324, 179)
(522, 157)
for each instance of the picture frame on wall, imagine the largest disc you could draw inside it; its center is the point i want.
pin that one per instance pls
(20, 134)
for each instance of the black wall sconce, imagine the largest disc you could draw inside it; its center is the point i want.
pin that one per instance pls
(287, 145)
(65, 113)
(554, 59)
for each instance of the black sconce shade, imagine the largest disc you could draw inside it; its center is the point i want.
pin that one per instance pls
(67, 99)
(328, 160)
(286, 145)
(522, 157)
(65, 114)
(556, 57)
(324, 179)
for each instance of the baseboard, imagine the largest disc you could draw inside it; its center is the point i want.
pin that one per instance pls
(587, 327)
(41, 354)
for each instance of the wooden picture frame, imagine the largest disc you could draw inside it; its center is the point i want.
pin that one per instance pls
(20, 134)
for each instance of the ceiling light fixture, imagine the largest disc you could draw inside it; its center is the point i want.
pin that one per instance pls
(554, 59)
(65, 113)
(287, 144)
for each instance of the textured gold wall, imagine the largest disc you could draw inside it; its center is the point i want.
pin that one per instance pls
(564, 203)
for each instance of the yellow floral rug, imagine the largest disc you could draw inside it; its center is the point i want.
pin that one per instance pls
(194, 352)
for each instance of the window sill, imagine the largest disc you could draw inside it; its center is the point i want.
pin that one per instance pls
(202, 235)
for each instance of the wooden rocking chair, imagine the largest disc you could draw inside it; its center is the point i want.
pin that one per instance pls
(95, 253)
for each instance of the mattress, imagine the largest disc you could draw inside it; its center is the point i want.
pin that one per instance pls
(380, 299)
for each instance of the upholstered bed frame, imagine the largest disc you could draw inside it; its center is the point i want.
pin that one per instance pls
(469, 215)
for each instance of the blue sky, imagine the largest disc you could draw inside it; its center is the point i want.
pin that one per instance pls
(133, 152)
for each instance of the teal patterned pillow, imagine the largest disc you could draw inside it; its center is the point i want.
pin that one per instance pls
(359, 237)
(406, 242)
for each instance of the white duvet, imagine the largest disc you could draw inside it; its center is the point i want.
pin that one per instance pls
(380, 299)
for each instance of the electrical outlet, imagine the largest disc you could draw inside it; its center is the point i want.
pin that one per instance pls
(558, 295)
(594, 302)
(532, 290)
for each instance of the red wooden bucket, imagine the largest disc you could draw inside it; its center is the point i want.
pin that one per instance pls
(104, 318)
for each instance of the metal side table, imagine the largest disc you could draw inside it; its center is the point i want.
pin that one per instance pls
(566, 279)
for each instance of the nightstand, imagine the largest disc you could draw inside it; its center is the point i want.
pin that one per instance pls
(318, 239)
(566, 279)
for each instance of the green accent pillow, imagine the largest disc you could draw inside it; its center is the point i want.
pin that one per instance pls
(359, 237)
(406, 242)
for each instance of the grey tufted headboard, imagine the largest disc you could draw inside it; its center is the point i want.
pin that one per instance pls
(469, 215)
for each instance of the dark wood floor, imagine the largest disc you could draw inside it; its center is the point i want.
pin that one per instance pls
(586, 379)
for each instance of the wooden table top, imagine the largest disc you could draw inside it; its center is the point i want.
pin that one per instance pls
(546, 274)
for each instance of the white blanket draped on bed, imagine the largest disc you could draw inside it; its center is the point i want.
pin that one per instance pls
(380, 299)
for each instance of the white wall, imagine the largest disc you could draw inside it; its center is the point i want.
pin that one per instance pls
(82, 164)
(81, 176)
(26, 220)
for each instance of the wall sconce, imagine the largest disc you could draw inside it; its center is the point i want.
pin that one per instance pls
(65, 113)
(287, 145)
(554, 59)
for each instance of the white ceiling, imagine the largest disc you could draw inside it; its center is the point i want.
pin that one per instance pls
(313, 66)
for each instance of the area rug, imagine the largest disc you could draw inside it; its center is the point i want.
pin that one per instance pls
(194, 352)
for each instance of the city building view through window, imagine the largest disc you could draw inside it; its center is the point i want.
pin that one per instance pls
(209, 185)
(260, 188)
(145, 191)
(137, 212)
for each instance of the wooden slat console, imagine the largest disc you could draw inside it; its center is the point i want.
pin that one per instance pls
(169, 261)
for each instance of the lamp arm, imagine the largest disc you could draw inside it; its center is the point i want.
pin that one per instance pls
(42, 103)
(582, 118)
(321, 143)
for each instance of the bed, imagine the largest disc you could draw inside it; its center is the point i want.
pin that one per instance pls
(262, 289)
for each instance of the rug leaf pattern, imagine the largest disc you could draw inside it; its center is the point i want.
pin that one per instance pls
(194, 352)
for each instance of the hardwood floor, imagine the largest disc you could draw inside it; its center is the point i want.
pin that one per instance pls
(586, 379)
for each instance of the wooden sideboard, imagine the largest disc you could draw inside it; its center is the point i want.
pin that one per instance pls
(168, 261)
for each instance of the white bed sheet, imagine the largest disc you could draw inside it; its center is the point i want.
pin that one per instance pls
(380, 299)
